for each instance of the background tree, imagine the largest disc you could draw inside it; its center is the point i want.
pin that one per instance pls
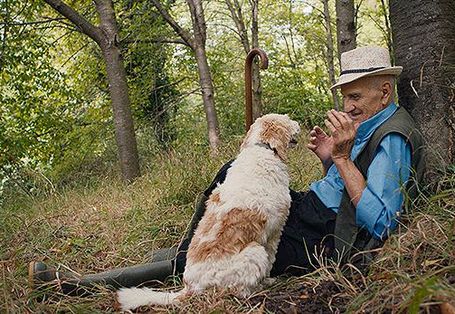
(107, 38)
(56, 115)
(387, 32)
(330, 51)
(46, 123)
(427, 85)
(235, 10)
(197, 42)
(296, 82)
(145, 39)
(346, 25)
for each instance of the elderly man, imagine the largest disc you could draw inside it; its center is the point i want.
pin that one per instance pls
(373, 150)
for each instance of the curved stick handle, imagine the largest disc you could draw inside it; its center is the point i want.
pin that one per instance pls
(249, 81)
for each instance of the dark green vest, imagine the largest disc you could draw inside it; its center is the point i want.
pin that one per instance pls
(349, 238)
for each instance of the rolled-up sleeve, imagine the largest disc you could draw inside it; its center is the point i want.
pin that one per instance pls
(382, 199)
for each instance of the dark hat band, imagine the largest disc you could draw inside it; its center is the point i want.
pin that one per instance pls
(360, 70)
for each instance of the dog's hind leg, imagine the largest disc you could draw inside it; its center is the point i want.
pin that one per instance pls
(248, 269)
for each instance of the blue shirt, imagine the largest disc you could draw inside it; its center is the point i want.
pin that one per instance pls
(382, 199)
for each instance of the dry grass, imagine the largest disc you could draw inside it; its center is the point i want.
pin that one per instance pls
(415, 269)
(86, 227)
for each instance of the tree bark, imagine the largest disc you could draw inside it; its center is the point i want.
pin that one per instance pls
(235, 10)
(346, 28)
(257, 88)
(330, 53)
(388, 30)
(424, 44)
(118, 89)
(205, 80)
(196, 42)
(106, 36)
(205, 77)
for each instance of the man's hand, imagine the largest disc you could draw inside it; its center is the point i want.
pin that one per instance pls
(322, 145)
(343, 131)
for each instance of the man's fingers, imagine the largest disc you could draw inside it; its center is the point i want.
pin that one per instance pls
(311, 147)
(345, 120)
(342, 117)
(330, 126)
(318, 130)
(332, 117)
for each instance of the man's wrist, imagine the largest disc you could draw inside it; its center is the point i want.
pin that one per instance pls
(341, 161)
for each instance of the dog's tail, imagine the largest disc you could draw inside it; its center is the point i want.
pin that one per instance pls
(131, 298)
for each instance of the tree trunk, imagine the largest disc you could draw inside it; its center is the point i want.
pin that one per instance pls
(346, 28)
(205, 80)
(424, 44)
(387, 30)
(330, 53)
(106, 36)
(196, 42)
(257, 88)
(205, 77)
(123, 121)
(118, 89)
(235, 10)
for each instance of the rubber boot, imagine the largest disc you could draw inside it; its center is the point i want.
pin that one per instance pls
(133, 276)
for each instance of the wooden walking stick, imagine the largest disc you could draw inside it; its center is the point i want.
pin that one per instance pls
(249, 81)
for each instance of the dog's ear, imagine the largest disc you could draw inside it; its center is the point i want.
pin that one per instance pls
(277, 135)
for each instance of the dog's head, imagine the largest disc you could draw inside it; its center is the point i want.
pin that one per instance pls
(277, 131)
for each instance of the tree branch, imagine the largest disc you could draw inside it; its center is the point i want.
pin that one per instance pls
(31, 23)
(155, 41)
(175, 26)
(236, 14)
(86, 27)
(254, 24)
(199, 24)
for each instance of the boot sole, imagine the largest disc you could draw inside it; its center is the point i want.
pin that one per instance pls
(31, 275)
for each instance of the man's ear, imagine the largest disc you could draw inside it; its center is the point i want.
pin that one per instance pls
(386, 90)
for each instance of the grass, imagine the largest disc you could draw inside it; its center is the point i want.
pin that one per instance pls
(94, 223)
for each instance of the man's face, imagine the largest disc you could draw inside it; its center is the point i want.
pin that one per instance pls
(363, 98)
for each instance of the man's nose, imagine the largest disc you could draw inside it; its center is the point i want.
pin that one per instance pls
(348, 106)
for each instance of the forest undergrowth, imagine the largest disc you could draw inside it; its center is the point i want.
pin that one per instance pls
(93, 222)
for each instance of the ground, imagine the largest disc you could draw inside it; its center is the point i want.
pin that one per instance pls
(94, 222)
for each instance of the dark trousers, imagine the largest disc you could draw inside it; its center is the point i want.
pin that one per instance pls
(308, 231)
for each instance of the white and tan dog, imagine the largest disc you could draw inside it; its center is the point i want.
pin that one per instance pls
(235, 243)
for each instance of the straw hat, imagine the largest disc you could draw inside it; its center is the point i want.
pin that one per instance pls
(365, 61)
